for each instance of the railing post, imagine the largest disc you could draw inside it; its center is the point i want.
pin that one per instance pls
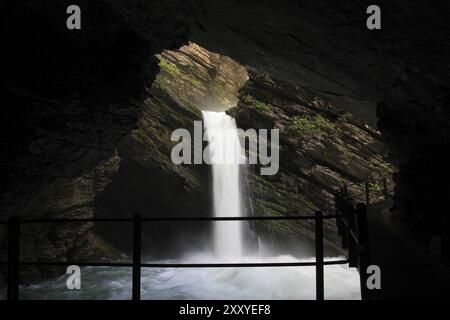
(351, 227)
(137, 248)
(367, 193)
(338, 206)
(13, 258)
(345, 211)
(364, 255)
(319, 257)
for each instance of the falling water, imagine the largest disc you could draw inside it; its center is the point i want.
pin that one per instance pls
(212, 283)
(226, 156)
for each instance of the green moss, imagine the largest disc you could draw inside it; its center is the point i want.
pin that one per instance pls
(301, 126)
(140, 136)
(304, 125)
(252, 101)
(383, 168)
(168, 67)
(373, 186)
(233, 112)
(192, 80)
(172, 70)
(269, 205)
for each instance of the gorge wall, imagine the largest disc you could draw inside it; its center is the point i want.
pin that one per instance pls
(70, 98)
(148, 182)
(322, 147)
(73, 97)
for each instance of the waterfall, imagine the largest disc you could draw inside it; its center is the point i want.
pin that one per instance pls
(226, 155)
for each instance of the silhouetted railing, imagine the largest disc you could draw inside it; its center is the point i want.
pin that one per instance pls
(353, 230)
(368, 189)
(15, 222)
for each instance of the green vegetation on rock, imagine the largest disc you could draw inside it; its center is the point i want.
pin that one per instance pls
(172, 70)
(383, 168)
(168, 67)
(250, 100)
(303, 125)
(373, 186)
(233, 112)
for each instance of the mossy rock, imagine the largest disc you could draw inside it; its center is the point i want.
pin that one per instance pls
(301, 126)
(252, 101)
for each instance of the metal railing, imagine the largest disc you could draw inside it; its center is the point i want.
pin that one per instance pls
(345, 217)
(368, 190)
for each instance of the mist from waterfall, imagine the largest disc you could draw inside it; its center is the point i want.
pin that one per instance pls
(226, 156)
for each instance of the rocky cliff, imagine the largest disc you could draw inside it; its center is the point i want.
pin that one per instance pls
(322, 147)
(190, 79)
(72, 97)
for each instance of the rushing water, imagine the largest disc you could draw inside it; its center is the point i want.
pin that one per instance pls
(212, 283)
(225, 155)
(205, 283)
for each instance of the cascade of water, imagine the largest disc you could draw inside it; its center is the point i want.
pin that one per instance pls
(214, 283)
(226, 155)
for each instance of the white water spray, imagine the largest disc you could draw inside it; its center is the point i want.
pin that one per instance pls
(213, 283)
(226, 155)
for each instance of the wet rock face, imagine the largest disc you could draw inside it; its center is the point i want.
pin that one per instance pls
(62, 198)
(202, 79)
(395, 78)
(72, 97)
(148, 182)
(423, 180)
(322, 147)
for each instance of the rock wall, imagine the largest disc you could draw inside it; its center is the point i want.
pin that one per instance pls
(333, 148)
(395, 79)
(62, 198)
(322, 147)
(71, 97)
(190, 79)
(202, 79)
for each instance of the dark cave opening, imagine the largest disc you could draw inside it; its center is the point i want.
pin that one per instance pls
(72, 99)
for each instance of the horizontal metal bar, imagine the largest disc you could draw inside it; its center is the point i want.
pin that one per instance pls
(186, 265)
(290, 217)
(77, 263)
(228, 265)
(229, 218)
(331, 262)
(82, 220)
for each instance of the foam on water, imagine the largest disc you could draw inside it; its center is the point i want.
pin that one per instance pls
(226, 154)
(341, 282)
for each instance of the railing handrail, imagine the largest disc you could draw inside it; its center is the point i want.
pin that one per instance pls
(136, 264)
(182, 265)
(365, 195)
(247, 218)
(358, 184)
